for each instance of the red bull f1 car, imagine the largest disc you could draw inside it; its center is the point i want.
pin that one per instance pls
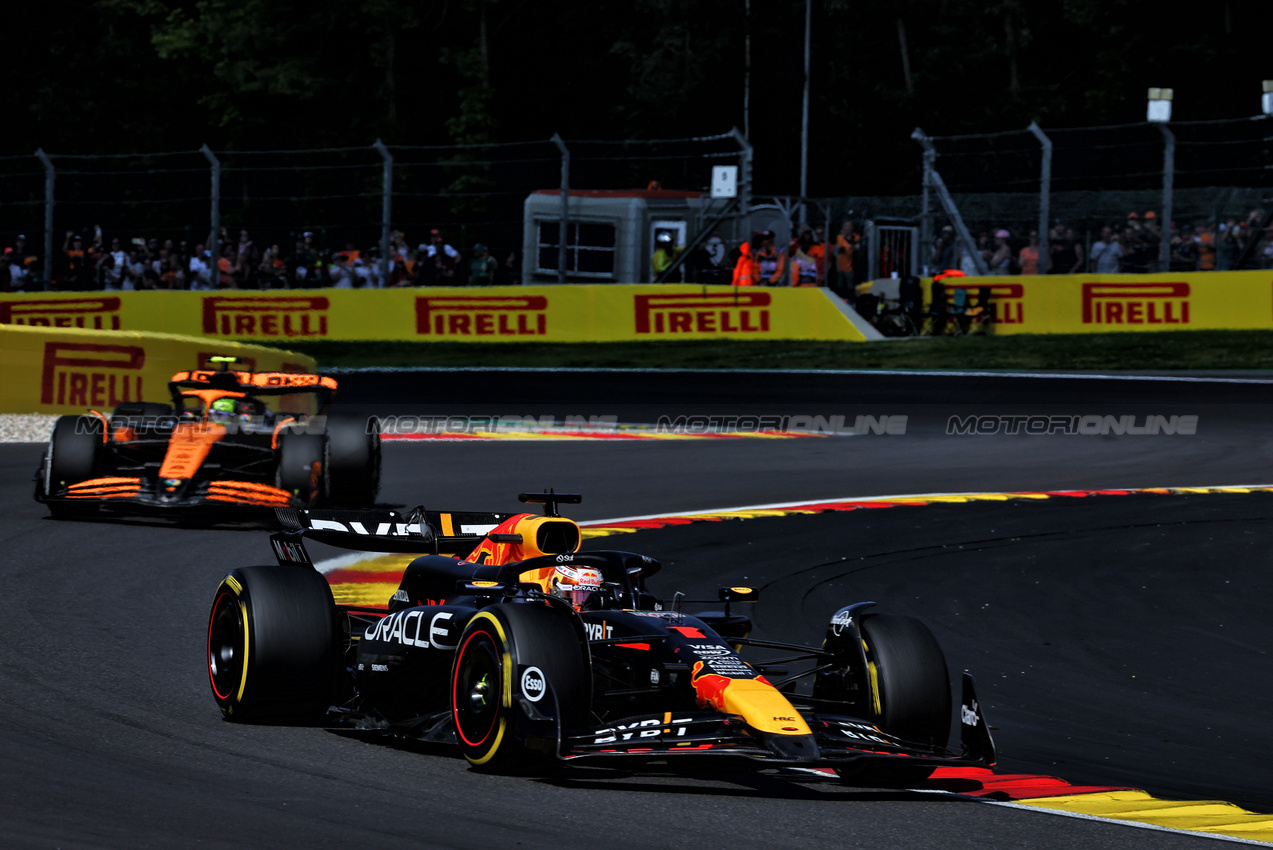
(218, 445)
(509, 642)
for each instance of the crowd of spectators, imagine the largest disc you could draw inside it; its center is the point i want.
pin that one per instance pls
(1123, 247)
(106, 262)
(98, 261)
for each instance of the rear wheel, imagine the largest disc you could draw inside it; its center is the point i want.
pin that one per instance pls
(273, 649)
(302, 468)
(910, 695)
(509, 653)
(354, 451)
(134, 409)
(144, 417)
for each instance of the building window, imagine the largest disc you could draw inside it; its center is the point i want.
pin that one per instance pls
(589, 249)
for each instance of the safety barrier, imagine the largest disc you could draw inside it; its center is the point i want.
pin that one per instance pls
(67, 369)
(571, 313)
(1128, 302)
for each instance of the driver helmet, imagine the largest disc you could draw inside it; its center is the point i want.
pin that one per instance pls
(580, 586)
(227, 409)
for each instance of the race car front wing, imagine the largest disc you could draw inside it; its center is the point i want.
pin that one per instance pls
(836, 741)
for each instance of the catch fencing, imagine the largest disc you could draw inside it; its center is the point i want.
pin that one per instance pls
(358, 195)
(1199, 173)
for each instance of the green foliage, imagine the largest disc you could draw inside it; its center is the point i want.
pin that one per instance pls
(146, 75)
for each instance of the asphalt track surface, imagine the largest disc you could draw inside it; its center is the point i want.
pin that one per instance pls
(1116, 640)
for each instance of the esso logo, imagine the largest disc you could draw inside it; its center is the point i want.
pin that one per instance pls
(533, 684)
(565, 559)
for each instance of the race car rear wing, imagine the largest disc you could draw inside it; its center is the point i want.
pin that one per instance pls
(254, 383)
(417, 532)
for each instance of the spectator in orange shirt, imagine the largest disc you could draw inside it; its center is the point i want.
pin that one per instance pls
(1207, 248)
(1028, 257)
(746, 272)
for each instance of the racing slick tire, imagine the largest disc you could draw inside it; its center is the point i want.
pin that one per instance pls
(75, 454)
(487, 687)
(354, 460)
(273, 645)
(910, 695)
(302, 466)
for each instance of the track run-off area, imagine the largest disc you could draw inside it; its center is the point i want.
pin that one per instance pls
(1108, 591)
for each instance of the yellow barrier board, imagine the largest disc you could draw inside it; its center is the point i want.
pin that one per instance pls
(68, 370)
(571, 313)
(1124, 302)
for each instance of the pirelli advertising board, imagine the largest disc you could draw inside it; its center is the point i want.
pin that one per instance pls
(1137, 303)
(572, 313)
(68, 370)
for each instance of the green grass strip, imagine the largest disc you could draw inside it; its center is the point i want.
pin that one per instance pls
(1181, 350)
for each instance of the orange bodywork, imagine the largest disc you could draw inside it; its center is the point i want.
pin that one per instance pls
(279, 426)
(762, 705)
(248, 493)
(528, 526)
(261, 379)
(188, 448)
(104, 488)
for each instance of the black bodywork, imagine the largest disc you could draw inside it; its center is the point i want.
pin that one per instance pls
(663, 684)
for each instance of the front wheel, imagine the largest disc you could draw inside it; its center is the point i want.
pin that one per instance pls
(273, 649)
(909, 695)
(76, 448)
(511, 656)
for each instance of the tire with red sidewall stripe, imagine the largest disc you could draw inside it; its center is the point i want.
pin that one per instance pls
(511, 654)
(273, 644)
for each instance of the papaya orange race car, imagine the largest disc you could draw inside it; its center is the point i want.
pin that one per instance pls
(217, 445)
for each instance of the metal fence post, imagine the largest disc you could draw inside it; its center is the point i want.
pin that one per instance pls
(565, 206)
(948, 205)
(386, 209)
(1168, 178)
(804, 120)
(1045, 195)
(214, 238)
(49, 175)
(926, 210)
(744, 175)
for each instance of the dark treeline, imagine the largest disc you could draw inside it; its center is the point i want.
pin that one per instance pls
(148, 75)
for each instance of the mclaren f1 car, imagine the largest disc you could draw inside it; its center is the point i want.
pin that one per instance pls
(506, 640)
(218, 445)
